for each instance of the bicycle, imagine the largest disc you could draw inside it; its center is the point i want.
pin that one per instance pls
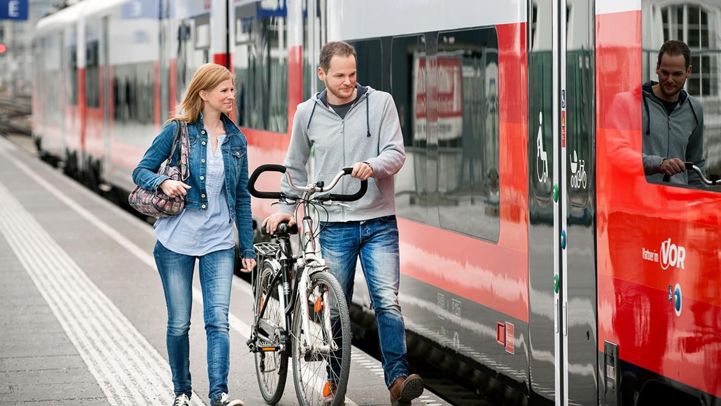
(299, 293)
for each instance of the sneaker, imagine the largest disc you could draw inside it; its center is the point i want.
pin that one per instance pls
(405, 389)
(182, 400)
(224, 400)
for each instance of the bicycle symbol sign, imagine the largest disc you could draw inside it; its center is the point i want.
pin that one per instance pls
(578, 172)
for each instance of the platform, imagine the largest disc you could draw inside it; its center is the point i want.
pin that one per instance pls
(82, 314)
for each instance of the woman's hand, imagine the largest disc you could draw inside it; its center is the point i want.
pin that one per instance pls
(174, 188)
(247, 264)
(270, 224)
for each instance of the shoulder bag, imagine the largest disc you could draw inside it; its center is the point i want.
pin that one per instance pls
(155, 203)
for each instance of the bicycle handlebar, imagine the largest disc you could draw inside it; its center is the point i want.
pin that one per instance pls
(712, 181)
(256, 173)
(311, 188)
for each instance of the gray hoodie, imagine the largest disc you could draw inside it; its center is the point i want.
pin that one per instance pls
(675, 135)
(370, 132)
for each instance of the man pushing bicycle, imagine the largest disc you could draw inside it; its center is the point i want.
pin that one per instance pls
(352, 125)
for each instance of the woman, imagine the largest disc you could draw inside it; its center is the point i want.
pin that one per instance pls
(216, 195)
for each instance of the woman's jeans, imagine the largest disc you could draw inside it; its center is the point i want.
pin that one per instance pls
(216, 276)
(376, 242)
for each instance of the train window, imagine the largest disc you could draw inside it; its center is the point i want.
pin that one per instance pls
(261, 67)
(193, 49)
(466, 89)
(369, 56)
(92, 77)
(314, 36)
(133, 91)
(73, 75)
(696, 120)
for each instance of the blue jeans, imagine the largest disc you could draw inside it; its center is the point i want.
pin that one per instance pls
(376, 242)
(216, 276)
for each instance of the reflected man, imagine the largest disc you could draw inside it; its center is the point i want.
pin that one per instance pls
(672, 119)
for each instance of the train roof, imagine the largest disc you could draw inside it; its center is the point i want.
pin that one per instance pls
(73, 13)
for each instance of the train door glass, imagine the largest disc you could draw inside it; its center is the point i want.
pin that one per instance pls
(408, 86)
(261, 67)
(466, 94)
(698, 26)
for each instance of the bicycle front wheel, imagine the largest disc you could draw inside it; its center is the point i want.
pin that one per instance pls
(321, 355)
(271, 365)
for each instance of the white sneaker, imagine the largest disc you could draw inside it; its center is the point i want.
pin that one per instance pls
(224, 400)
(181, 400)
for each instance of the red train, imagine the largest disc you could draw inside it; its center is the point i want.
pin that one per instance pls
(532, 244)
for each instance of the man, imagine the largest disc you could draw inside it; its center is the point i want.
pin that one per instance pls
(672, 120)
(352, 125)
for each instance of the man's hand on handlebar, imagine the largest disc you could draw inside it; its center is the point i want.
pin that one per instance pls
(362, 170)
(671, 166)
(270, 224)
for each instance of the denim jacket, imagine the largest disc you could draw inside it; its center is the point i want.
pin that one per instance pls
(235, 159)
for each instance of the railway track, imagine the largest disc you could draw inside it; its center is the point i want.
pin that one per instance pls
(15, 115)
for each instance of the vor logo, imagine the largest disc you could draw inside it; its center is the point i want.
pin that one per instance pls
(672, 255)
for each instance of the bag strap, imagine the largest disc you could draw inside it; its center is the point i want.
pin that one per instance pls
(181, 142)
(184, 150)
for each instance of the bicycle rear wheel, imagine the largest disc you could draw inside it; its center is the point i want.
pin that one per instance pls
(271, 366)
(323, 353)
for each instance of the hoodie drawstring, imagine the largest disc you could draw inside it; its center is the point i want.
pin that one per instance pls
(368, 121)
(311, 116)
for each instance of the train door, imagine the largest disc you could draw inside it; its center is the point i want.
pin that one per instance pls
(577, 124)
(562, 291)
(107, 95)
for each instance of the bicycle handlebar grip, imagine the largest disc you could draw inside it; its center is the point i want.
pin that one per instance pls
(284, 228)
(256, 173)
(350, 198)
(348, 170)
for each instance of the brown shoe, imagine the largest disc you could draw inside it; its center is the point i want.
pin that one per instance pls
(405, 389)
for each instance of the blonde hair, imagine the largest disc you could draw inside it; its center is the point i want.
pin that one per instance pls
(207, 77)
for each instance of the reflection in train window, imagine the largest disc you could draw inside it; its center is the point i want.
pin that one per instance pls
(133, 91)
(408, 82)
(466, 74)
(450, 178)
(698, 24)
(261, 67)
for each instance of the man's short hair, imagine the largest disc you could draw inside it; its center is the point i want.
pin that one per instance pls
(335, 48)
(672, 48)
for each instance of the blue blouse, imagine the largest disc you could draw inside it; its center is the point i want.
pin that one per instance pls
(199, 232)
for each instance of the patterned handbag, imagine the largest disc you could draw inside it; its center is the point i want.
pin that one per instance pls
(156, 203)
